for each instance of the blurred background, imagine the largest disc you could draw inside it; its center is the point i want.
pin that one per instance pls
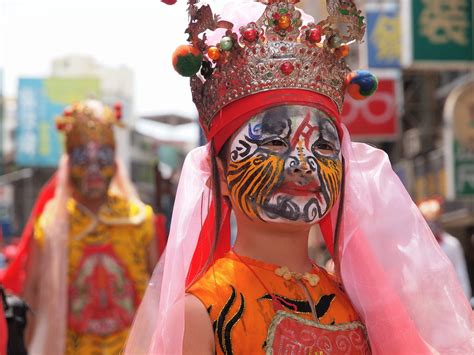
(54, 52)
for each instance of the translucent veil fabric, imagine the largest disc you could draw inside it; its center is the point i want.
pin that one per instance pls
(393, 270)
(159, 324)
(51, 307)
(396, 275)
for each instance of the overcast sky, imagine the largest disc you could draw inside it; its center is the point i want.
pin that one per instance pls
(140, 34)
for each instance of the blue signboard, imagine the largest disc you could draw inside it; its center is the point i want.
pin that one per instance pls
(37, 139)
(383, 36)
(39, 102)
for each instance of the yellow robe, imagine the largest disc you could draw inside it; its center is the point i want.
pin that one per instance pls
(107, 272)
(254, 310)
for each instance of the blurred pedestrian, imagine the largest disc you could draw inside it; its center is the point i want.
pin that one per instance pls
(93, 247)
(432, 210)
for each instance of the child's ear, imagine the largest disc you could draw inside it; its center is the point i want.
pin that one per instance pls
(222, 178)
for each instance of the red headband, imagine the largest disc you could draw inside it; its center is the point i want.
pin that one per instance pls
(234, 115)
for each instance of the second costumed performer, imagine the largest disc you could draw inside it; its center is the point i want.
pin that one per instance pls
(270, 93)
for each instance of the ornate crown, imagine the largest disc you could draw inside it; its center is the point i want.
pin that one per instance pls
(277, 51)
(89, 121)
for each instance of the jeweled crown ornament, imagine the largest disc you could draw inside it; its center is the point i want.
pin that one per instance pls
(89, 121)
(277, 51)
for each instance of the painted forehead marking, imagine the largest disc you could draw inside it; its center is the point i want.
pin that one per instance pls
(304, 130)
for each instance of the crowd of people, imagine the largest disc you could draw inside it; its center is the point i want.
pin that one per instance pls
(269, 85)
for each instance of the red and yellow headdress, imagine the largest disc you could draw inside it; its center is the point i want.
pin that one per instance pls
(277, 59)
(89, 121)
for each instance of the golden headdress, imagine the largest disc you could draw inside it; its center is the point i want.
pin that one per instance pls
(89, 120)
(276, 52)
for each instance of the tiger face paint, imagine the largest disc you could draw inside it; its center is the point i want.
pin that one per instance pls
(285, 165)
(92, 168)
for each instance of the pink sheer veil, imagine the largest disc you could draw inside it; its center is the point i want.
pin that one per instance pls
(50, 315)
(159, 325)
(394, 271)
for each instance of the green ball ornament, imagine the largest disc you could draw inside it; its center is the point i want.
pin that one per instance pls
(226, 43)
(187, 60)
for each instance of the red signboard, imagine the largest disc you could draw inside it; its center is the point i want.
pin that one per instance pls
(376, 118)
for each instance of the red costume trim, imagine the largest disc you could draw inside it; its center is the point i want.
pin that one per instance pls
(13, 278)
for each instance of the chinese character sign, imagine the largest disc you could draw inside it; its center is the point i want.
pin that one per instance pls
(39, 102)
(463, 170)
(383, 35)
(439, 32)
(459, 142)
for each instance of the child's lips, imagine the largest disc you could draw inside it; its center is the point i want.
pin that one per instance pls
(291, 188)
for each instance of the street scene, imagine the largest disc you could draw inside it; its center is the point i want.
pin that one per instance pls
(236, 177)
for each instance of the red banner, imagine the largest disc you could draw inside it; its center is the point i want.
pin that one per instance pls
(376, 118)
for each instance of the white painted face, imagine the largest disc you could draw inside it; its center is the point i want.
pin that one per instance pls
(92, 169)
(285, 165)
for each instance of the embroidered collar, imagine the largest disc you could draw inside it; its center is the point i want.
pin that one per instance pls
(116, 211)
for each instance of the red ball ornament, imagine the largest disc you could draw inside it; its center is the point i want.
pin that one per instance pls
(68, 111)
(287, 68)
(169, 2)
(250, 34)
(314, 35)
(60, 126)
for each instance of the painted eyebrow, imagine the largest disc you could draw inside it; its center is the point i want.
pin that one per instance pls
(329, 131)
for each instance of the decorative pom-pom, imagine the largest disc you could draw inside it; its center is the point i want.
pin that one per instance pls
(68, 111)
(187, 60)
(361, 84)
(60, 126)
(118, 111)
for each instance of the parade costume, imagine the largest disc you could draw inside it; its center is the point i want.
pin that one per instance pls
(93, 266)
(259, 55)
(255, 305)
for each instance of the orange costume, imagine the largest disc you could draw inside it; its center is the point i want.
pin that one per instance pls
(257, 307)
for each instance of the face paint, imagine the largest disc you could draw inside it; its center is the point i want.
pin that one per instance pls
(285, 165)
(92, 169)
